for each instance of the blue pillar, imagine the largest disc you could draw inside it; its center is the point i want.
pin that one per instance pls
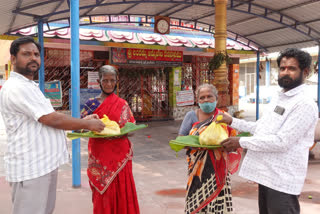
(75, 88)
(40, 40)
(267, 73)
(319, 80)
(257, 91)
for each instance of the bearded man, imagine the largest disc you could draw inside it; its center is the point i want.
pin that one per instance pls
(277, 151)
(36, 140)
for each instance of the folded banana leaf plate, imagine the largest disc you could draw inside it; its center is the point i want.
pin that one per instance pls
(193, 141)
(129, 127)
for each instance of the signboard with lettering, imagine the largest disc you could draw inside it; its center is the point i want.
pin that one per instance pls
(93, 76)
(53, 92)
(185, 98)
(146, 56)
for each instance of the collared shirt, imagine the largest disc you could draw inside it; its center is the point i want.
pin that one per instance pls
(34, 149)
(277, 155)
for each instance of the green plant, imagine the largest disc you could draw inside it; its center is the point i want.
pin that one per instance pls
(218, 59)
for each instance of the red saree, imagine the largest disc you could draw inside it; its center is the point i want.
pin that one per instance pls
(110, 164)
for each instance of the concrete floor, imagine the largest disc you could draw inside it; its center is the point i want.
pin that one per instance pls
(160, 178)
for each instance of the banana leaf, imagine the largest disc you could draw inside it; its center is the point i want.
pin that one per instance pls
(188, 141)
(193, 141)
(129, 127)
(244, 134)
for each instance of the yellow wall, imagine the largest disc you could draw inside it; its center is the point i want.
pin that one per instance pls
(4, 55)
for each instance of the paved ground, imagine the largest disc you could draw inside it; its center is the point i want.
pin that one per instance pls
(160, 178)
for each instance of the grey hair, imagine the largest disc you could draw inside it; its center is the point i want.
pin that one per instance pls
(210, 86)
(107, 69)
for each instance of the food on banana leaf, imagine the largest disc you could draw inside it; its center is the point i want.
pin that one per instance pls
(111, 128)
(213, 135)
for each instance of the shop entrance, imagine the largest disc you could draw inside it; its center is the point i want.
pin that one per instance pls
(146, 90)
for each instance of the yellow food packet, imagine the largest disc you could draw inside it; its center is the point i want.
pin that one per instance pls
(111, 128)
(213, 135)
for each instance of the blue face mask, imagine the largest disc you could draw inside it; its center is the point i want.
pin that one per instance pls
(208, 107)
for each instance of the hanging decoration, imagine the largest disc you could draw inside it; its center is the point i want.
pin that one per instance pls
(218, 59)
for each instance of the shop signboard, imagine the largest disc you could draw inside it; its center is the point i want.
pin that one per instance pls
(185, 98)
(146, 57)
(53, 92)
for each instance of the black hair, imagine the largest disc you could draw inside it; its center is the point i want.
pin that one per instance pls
(304, 59)
(15, 45)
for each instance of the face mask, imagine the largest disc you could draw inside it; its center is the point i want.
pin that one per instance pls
(208, 107)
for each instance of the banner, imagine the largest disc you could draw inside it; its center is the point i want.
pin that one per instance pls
(185, 98)
(146, 56)
(85, 94)
(53, 92)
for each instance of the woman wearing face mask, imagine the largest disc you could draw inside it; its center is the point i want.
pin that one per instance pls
(208, 187)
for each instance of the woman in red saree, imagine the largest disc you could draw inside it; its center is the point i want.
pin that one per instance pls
(208, 186)
(110, 160)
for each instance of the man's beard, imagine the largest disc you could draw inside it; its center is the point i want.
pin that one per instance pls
(286, 82)
(106, 92)
(26, 71)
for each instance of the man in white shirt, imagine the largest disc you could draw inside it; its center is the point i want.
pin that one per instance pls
(277, 153)
(35, 136)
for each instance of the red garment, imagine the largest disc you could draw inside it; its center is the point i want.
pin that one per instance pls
(110, 166)
(120, 196)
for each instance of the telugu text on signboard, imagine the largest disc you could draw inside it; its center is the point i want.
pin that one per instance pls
(146, 57)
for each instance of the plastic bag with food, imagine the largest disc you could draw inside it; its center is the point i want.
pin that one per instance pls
(111, 128)
(214, 134)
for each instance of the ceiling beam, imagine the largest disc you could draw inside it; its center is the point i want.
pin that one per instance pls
(98, 2)
(128, 8)
(291, 43)
(57, 7)
(167, 9)
(271, 12)
(212, 13)
(279, 28)
(14, 16)
(33, 5)
(183, 8)
(265, 16)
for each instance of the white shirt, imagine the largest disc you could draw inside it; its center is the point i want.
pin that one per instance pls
(277, 155)
(33, 149)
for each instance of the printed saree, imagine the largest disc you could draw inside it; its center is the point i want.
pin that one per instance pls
(110, 162)
(208, 187)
